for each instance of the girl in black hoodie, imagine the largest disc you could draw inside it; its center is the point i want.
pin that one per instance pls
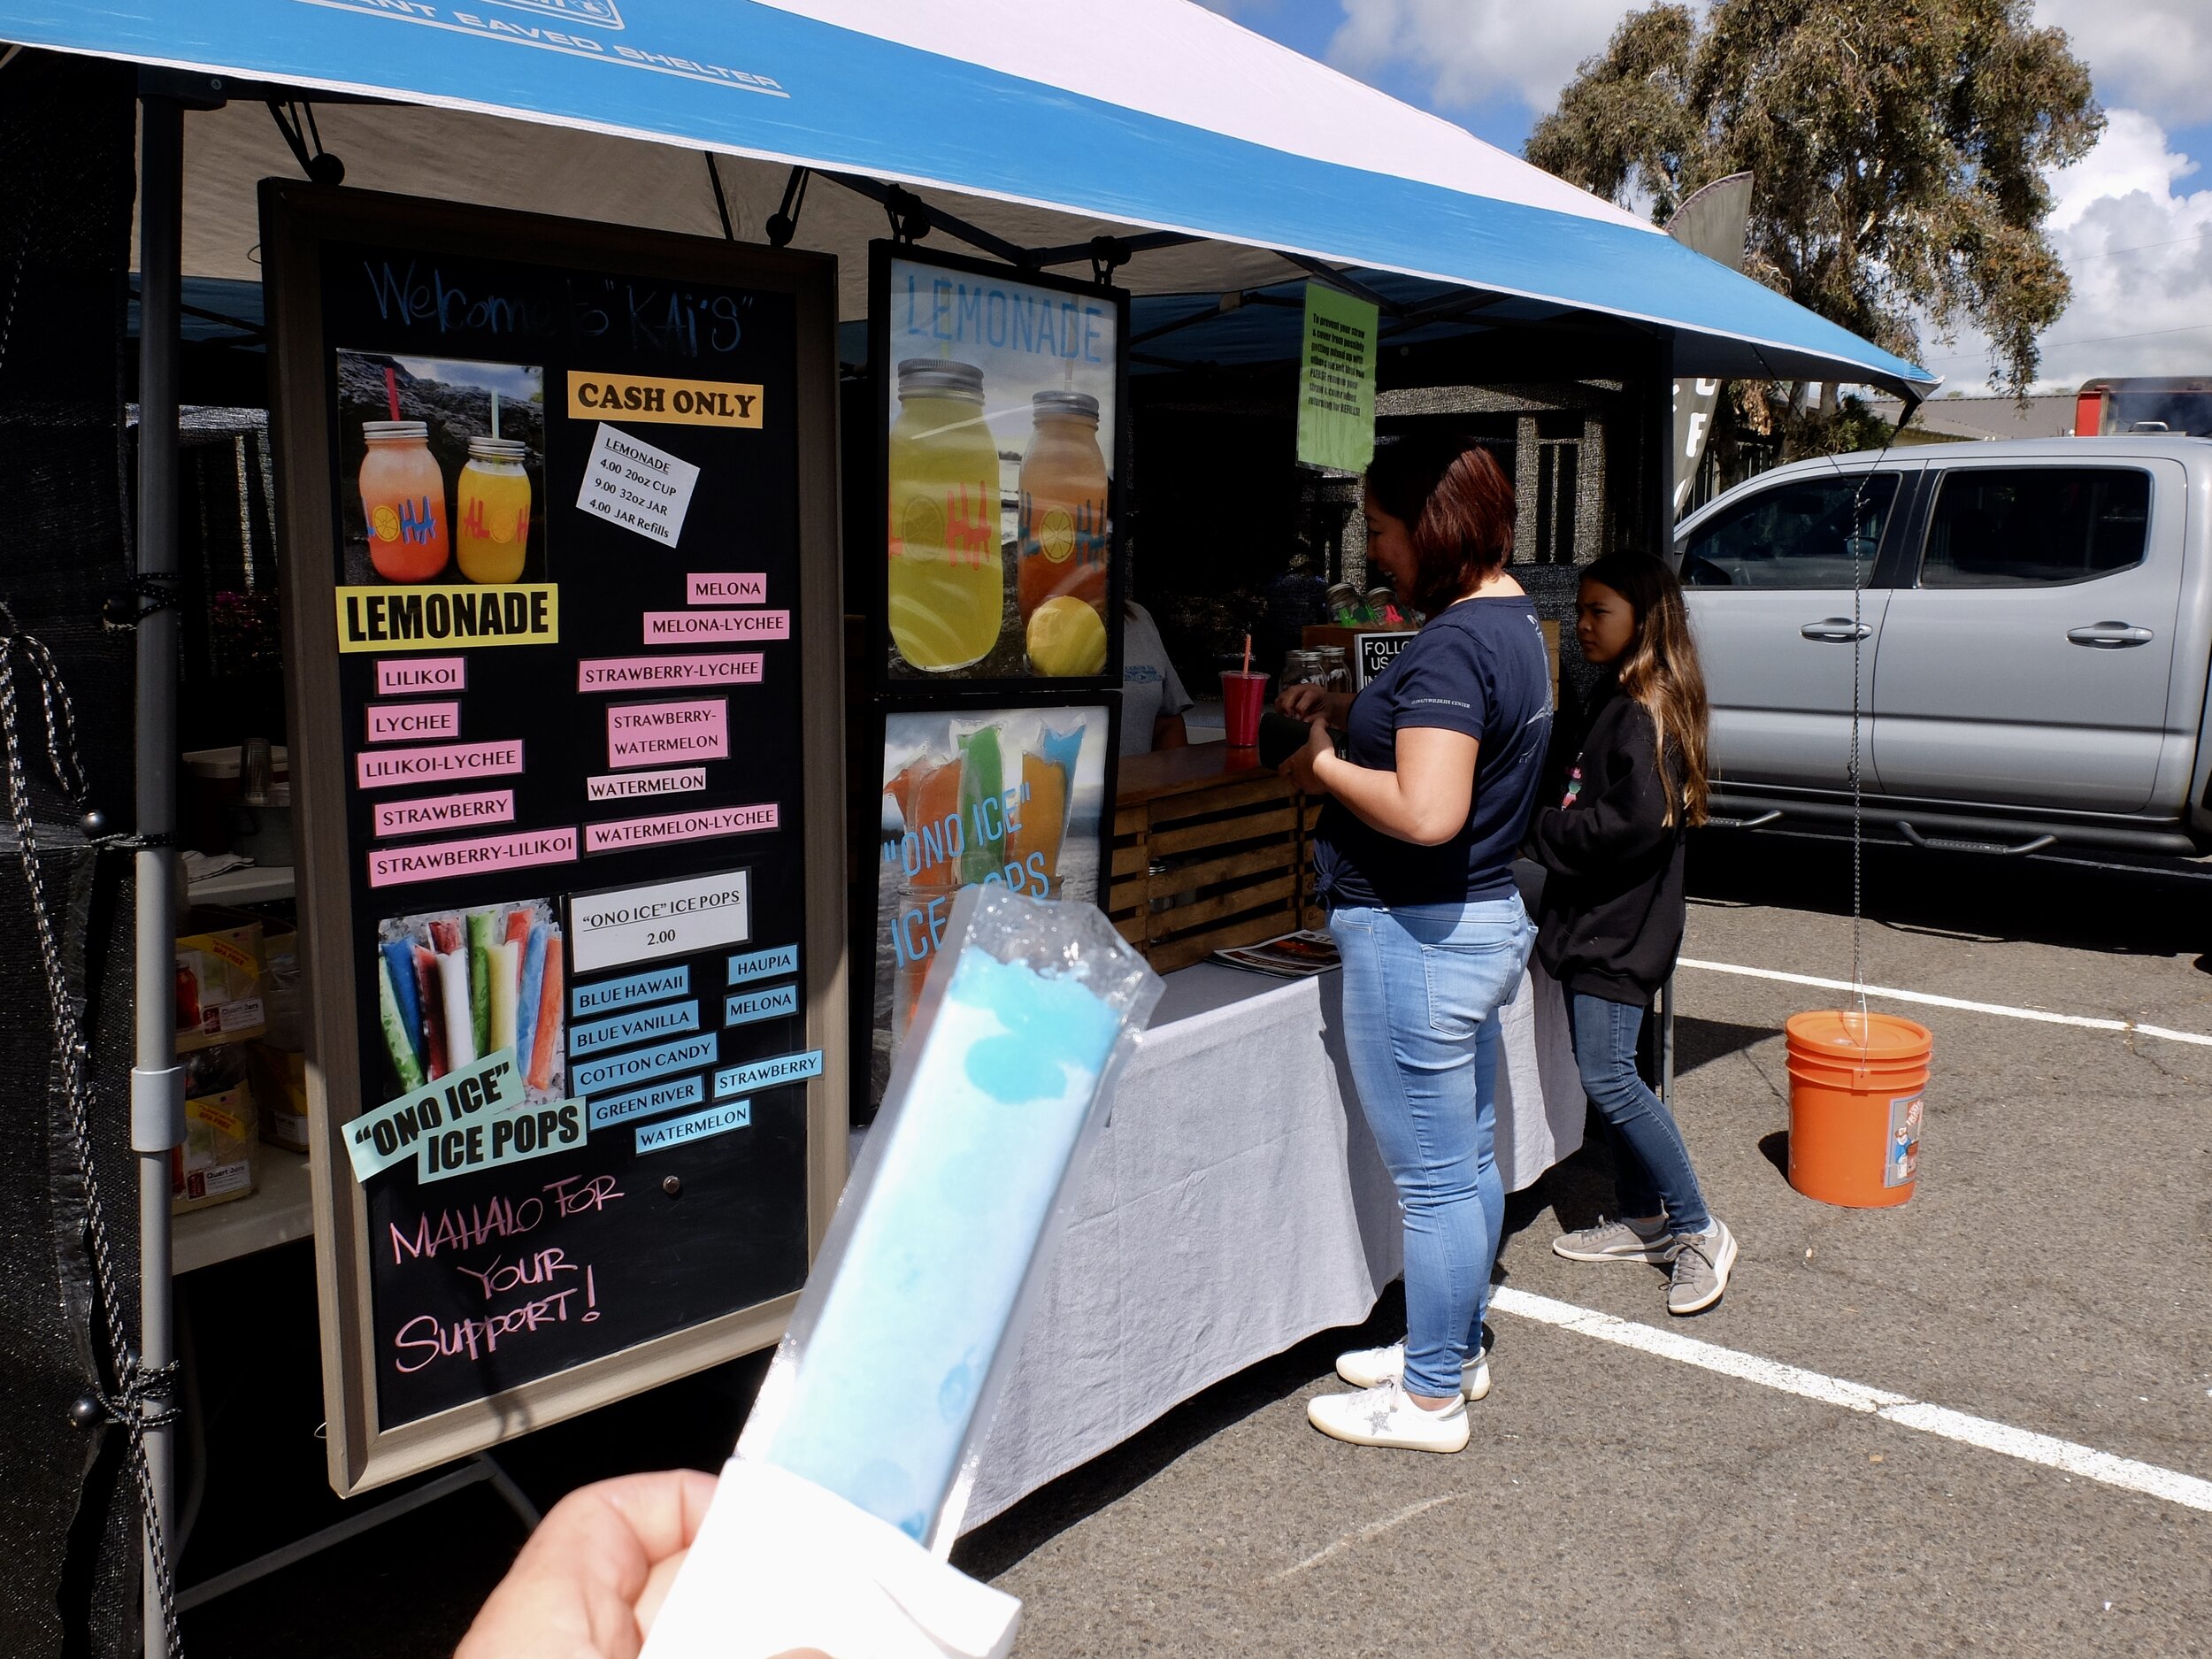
(1631, 782)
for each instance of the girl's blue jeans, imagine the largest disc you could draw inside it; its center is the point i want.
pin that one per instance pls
(1651, 1165)
(1422, 985)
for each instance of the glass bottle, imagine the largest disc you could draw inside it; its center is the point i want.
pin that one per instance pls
(947, 579)
(1064, 501)
(494, 528)
(402, 499)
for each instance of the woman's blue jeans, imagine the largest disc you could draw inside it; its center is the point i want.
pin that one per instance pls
(1422, 985)
(1651, 1165)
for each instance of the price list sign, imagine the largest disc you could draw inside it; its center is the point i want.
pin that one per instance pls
(562, 639)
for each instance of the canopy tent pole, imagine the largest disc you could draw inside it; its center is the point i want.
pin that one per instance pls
(157, 1084)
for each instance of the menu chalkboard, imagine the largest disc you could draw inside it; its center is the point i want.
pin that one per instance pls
(562, 635)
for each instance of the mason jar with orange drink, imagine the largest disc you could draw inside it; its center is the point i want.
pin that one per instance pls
(1064, 497)
(403, 500)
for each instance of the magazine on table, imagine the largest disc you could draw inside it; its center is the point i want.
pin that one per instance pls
(1297, 955)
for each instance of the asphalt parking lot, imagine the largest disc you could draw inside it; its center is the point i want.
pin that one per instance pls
(2038, 1317)
(2037, 1322)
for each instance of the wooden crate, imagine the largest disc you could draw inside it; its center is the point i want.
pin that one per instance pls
(1231, 841)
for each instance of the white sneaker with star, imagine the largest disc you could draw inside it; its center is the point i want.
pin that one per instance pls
(1386, 1415)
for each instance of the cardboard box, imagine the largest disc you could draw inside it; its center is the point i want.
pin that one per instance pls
(280, 1078)
(216, 1162)
(219, 980)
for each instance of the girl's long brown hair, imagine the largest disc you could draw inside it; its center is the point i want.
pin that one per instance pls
(1660, 668)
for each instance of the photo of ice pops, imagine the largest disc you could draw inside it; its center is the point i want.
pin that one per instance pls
(454, 986)
(978, 797)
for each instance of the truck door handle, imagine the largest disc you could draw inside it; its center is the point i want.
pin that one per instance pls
(1837, 630)
(2110, 636)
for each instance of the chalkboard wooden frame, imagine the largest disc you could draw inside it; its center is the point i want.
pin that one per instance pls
(298, 219)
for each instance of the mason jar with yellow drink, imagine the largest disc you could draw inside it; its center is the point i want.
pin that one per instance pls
(947, 585)
(494, 525)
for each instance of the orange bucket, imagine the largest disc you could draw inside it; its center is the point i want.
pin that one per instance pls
(1857, 1086)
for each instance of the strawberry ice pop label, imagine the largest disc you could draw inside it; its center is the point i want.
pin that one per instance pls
(655, 733)
(629, 482)
(785, 1068)
(726, 587)
(435, 861)
(705, 824)
(397, 722)
(623, 785)
(381, 769)
(649, 673)
(403, 677)
(444, 812)
(678, 627)
(669, 918)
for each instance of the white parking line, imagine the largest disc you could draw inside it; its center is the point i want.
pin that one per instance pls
(1890, 993)
(2024, 1444)
(1373, 1529)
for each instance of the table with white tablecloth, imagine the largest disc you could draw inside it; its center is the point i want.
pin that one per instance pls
(1235, 1205)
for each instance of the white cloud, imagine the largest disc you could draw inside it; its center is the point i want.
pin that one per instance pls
(1470, 51)
(2147, 54)
(2137, 244)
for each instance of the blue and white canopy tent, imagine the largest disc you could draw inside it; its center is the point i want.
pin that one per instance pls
(1223, 161)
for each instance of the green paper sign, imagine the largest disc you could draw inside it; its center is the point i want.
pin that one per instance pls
(1336, 381)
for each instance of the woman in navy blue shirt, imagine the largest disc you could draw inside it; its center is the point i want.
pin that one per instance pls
(1414, 853)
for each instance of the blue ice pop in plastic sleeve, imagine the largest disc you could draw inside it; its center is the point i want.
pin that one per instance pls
(891, 1368)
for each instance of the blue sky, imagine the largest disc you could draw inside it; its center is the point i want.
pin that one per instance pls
(2133, 221)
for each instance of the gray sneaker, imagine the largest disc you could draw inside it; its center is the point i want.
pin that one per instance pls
(1702, 1263)
(1614, 1241)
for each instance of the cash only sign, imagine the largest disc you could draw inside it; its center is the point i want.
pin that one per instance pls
(562, 640)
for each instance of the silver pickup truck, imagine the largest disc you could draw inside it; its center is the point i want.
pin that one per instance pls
(2033, 631)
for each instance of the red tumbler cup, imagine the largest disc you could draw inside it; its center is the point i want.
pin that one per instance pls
(1243, 695)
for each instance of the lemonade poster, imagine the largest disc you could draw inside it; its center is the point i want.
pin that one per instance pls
(1003, 414)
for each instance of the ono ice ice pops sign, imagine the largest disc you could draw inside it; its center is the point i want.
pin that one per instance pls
(573, 905)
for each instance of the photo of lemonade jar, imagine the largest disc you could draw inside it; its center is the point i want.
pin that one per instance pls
(402, 499)
(947, 584)
(1063, 495)
(493, 523)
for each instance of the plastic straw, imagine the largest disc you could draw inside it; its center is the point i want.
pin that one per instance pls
(1247, 653)
(494, 411)
(391, 388)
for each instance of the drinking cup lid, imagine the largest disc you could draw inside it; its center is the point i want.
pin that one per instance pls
(497, 448)
(394, 431)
